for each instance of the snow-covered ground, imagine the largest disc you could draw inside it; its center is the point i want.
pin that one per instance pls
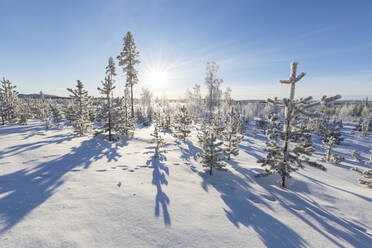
(57, 190)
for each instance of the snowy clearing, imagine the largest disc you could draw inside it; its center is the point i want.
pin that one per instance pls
(57, 190)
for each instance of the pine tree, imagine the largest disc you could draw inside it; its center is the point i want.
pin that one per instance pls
(329, 145)
(124, 123)
(57, 113)
(107, 91)
(232, 139)
(213, 99)
(128, 59)
(183, 120)
(8, 101)
(79, 115)
(159, 142)
(212, 155)
(282, 157)
(44, 111)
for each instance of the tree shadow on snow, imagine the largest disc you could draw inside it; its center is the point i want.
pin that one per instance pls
(159, 173)
(26, 189)
(300, 204)
(243, 209)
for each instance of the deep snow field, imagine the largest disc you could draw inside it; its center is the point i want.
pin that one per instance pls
(57, 190)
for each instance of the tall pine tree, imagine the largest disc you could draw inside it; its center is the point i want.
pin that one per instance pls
(80, 111)
(107, 91)
(128, 59)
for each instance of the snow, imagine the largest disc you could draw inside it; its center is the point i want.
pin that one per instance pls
(58, 190)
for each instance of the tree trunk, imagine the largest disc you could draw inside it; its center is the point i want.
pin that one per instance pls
(210, 171)
(131, 99)
(283, 181)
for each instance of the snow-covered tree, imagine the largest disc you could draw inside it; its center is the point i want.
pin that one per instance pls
(212, 155)
(79, 115)
(8, 102)
(107, 91)
(128, 59)
(182, 122)
(194, 102)
(146, 106)
(282, 156)
(213, 98)
(356, 155)
(332, 128)
(44, 111)
(230, 134)
(57, 113)
(330, 157)
(124, 123)
(366, 178)
(159, 142)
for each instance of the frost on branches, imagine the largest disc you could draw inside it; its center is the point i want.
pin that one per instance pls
(230, 134)
(107, 91)
(124, 123)
(282, 156)
(159, 142)
(8, 102)
(182, 122)
(128, 59)
(212, 155)
(79, 113)
(329, 145)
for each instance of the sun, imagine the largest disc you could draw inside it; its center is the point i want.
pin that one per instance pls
(157, 76)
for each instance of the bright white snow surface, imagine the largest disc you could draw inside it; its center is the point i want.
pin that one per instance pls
(57, 190)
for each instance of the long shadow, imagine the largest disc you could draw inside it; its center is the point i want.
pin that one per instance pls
(243, 210)
(159, 173)
(25, 190)
(18, 149)
(297, 204)
(190, 152)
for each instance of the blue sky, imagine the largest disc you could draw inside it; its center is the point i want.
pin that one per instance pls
(48, 45)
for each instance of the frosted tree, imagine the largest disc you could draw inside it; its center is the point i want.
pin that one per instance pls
(8, 101)
(124, 123)
(230, 134)
(213, 98)
(57, 113)
(182, 122)
(365, 127)
(159, 142)
(212, 155)
(194, 102)
(366, 178)
(79, 115)
(356, 155)
(332, 128)
(282, 156)
(330, 157)
(44, 111)
(107, 91)
(146, 106)
(128, 59)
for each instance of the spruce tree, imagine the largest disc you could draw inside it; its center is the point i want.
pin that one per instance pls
(79, 115)
(128, 59)
(230, 134)
(212, 155)
(8, 102)
(159, 142)
(124, 123)
(282, 156)
(183, 120)
(107, 91)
